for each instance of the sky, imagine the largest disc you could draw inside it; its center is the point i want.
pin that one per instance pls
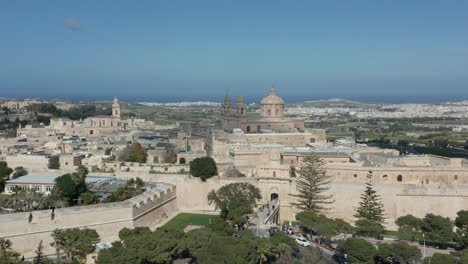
(170, 50)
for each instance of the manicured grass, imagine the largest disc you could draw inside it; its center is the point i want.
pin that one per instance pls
(184, 219)
(294, 223)
(400, 235)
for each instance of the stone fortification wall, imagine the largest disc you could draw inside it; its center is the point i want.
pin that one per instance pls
(399, 175)
(108, 219)
(398, 199)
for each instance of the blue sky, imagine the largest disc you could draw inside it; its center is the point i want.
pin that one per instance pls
(180, 49)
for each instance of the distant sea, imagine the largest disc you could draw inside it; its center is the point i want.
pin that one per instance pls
(395, 99)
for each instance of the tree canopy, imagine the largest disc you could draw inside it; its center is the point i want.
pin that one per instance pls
(54, 162)
(235, 201)
(70, 186)
(322, 225)
(203, 168)
(312, 185)
(358, 250)
(18, 172)
(132, 188)
(75, 242)
(370, 212)
(438, 229)
(7, 255)
(461, 222)
(5, 171)
(141, 246)
(133, 153)
(399, 252)
(409, 224)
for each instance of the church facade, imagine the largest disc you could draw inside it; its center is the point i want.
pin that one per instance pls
(234, 116)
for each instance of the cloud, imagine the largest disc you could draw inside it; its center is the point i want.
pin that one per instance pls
(72, 24)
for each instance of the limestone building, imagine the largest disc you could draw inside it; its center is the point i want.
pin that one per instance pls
(91, 126)
(234, 116)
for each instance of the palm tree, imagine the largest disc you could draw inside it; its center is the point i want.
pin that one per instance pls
(264, 251)
(281, 249)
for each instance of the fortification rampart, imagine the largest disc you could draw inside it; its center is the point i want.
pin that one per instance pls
(108, 219)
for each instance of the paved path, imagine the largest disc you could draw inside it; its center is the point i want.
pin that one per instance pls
(258, 222)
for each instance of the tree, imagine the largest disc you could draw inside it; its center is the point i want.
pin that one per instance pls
(358, 250)
(141, 246)
(343, 227)
(40, 258)
(370, 208)
(54, 163)
(235, 201)
(439, 258)
(203, 168)
(5, 171)
(7, 256)
(279, 238)
(18, 172)
(75, 242)
(27, 200)
(366, 227)
(69, 187)
(319, 224)
(399, 252)
(312, 185)
(89, 198)
(209, 247)
(437, 228)
(461, 222)
(133, 153)
(464, 256)
(132, 188)
(82, 171)
(409, 224)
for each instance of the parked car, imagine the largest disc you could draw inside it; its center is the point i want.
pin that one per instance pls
(338, 258)
(327, 242)
(302, 241)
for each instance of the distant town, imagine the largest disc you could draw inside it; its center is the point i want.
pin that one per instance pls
(310, 181)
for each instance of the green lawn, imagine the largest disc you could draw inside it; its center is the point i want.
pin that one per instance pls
(184, 219)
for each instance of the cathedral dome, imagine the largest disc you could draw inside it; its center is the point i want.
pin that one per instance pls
(272, 98)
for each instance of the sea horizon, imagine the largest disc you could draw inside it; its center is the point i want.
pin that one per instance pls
(402, 99)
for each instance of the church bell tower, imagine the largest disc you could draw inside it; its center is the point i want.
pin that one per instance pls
(116, 108)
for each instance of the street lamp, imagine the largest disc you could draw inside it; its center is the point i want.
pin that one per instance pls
(424, 247)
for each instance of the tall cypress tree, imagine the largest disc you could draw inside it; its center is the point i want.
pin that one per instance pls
(312, 185)
(371, 206)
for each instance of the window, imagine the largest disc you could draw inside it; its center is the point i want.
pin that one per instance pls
(48, 188)
(399, 178)
(37, 188)
(269, 112)
(258, 127)
(355, 175)
(427, 181)
(90, 132)
(385, 177)
(274, 174)
(455, 177)
(312, 140)
(292, 161)
(248, 129)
